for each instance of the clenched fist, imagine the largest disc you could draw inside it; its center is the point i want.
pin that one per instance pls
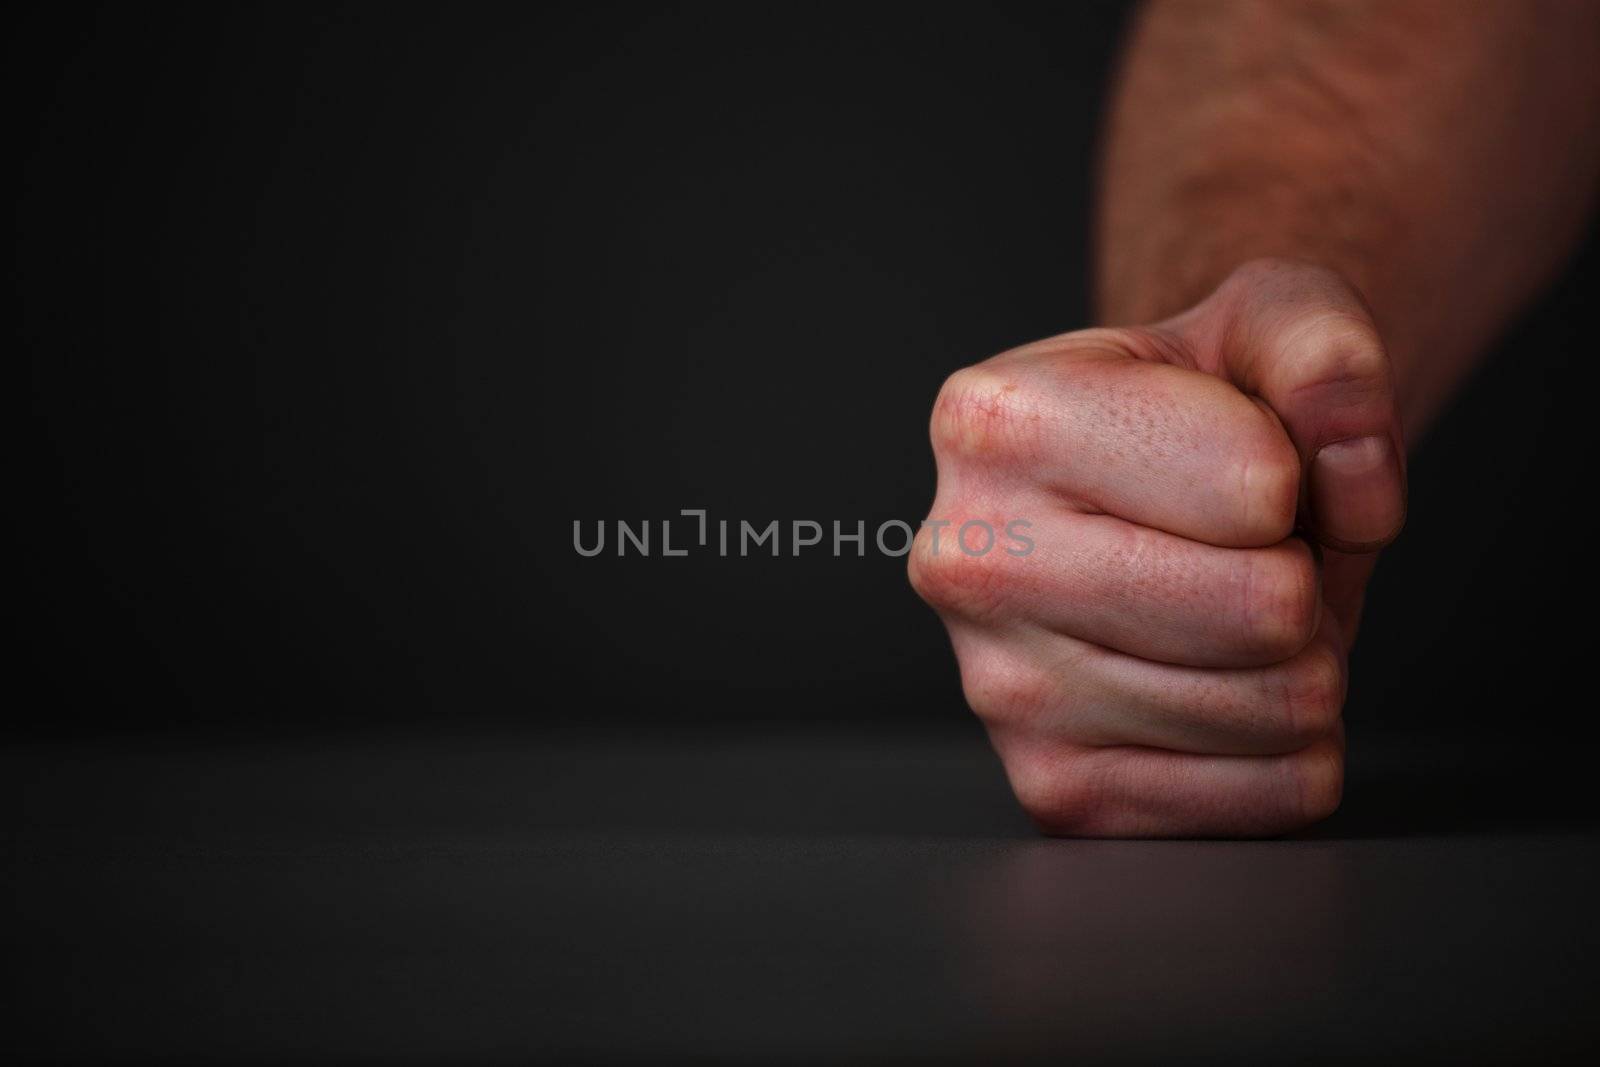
(1206, 496)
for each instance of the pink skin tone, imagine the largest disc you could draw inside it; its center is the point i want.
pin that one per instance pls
(1210, 481)
(1170, 660)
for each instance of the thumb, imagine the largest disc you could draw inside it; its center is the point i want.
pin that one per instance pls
(1300, 338)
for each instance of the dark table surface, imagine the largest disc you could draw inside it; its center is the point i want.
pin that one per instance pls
(785, 894)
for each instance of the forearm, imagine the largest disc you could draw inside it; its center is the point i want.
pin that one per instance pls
(1442, 157)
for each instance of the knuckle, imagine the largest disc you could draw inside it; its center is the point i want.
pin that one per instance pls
(983, 413)
(1314, 694)
(1320, 774)
(1281, 282)
(1004, 692)
(1351, 350)
(968, 585)
(1269, 478)
(1276, 270)
(1062, 796)
(1323, 328)
(1279, 611)
(1337, 347)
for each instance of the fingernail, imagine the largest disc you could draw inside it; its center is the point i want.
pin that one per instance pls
(1357, 493)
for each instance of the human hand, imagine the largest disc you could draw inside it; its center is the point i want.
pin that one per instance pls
(1170, 658)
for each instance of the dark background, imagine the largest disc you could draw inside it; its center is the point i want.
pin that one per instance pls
(336, 319)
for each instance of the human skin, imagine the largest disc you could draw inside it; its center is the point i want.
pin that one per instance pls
(1313, 218)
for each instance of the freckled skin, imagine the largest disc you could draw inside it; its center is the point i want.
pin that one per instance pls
(1313, 216)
